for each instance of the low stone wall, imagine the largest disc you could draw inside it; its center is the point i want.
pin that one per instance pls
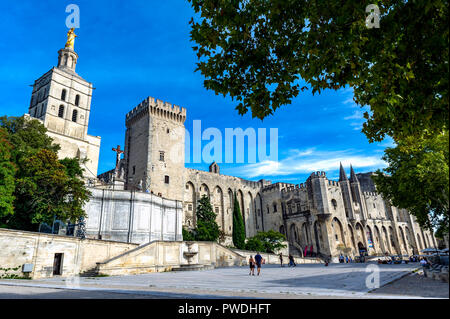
(275, 259)
(159, 256)
(38, 249)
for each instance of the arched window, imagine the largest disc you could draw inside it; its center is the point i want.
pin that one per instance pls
(334, 203)
(61, 111)
(74, 115)
(77, 100)
(63, 95)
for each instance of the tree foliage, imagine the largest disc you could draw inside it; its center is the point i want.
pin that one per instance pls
(417, 179)
(7, 171)
(258, 53)
(238, 226)
(45, 188)
(269, 242)
(206, 228)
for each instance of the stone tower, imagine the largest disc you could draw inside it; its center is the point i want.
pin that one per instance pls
(61, 99)
(154, 148)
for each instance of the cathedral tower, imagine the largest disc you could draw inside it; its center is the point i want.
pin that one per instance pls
(61, 99)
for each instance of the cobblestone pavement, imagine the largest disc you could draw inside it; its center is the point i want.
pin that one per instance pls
(303, 281)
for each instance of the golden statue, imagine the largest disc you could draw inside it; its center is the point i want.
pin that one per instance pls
(70, 38)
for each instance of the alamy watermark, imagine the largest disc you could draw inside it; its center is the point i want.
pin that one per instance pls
(373, 19)
(209, 145)
(73, 19)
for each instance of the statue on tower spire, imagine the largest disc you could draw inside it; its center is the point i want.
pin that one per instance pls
(71, 38)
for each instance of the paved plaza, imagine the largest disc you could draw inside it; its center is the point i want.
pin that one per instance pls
(303, 281)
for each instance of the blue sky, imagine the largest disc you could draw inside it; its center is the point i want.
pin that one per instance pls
(134, 49)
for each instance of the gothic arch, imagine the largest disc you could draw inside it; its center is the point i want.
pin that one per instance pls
(370, 238)
(338, 232)
(386, 240)
(379, 240)
(259, 212)
(352, 236)
(402, 236)
(394, 241)
(218, 204)
(204, 190)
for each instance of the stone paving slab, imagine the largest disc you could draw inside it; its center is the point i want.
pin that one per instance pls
(340, 280)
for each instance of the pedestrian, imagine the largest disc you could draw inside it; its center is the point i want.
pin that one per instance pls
(251, 263)
(258, 261)
(281, 259)
(291, 261)
(346, 259)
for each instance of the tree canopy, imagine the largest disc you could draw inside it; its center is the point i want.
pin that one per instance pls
(45, 188)
(259, 52)
(417, 179)
(264, 53)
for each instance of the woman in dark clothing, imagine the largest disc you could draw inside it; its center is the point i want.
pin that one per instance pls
(251, 263)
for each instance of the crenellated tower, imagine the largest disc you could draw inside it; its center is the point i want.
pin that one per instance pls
(154, 148)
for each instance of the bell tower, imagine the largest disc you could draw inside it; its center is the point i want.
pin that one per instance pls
(61, 99)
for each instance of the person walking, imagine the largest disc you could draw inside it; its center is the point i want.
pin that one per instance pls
(251, 263)
(291, 261)
(346, 259)
(281, 259)
(258, 261)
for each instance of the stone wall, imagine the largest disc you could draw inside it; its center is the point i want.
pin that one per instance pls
(160, 256)
(21, 247)
(132, 217)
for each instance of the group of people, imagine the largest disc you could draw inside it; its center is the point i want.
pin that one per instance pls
(345, 259)
(257, 261)
(291, 260)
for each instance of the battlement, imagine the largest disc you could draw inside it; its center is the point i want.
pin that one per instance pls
(333, 183)
(318, 174)
(370, 194)
(157, 108)
(276, 187)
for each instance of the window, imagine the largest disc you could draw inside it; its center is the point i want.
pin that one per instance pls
(161, 156)
(168, 131)
(63, 95)
(190, 207)
(74, 115)
(166, 179)
(134, 169)
(217, 210)
(77, 100)
(274, 208)
(334, 203)
(298, 208)
(61, 111)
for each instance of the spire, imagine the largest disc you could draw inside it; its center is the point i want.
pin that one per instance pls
(342, 175)
(67, 57)
(353, 177)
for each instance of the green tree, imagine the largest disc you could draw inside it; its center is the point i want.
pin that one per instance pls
(45, 191)
(238, 226)
(255, 244)
(7, 171)
(45, 187)
(271, 240)
(260, 53)
(207, 228)
(417, 179)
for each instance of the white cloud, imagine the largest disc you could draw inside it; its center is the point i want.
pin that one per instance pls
(301, 162)
(357, 115)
